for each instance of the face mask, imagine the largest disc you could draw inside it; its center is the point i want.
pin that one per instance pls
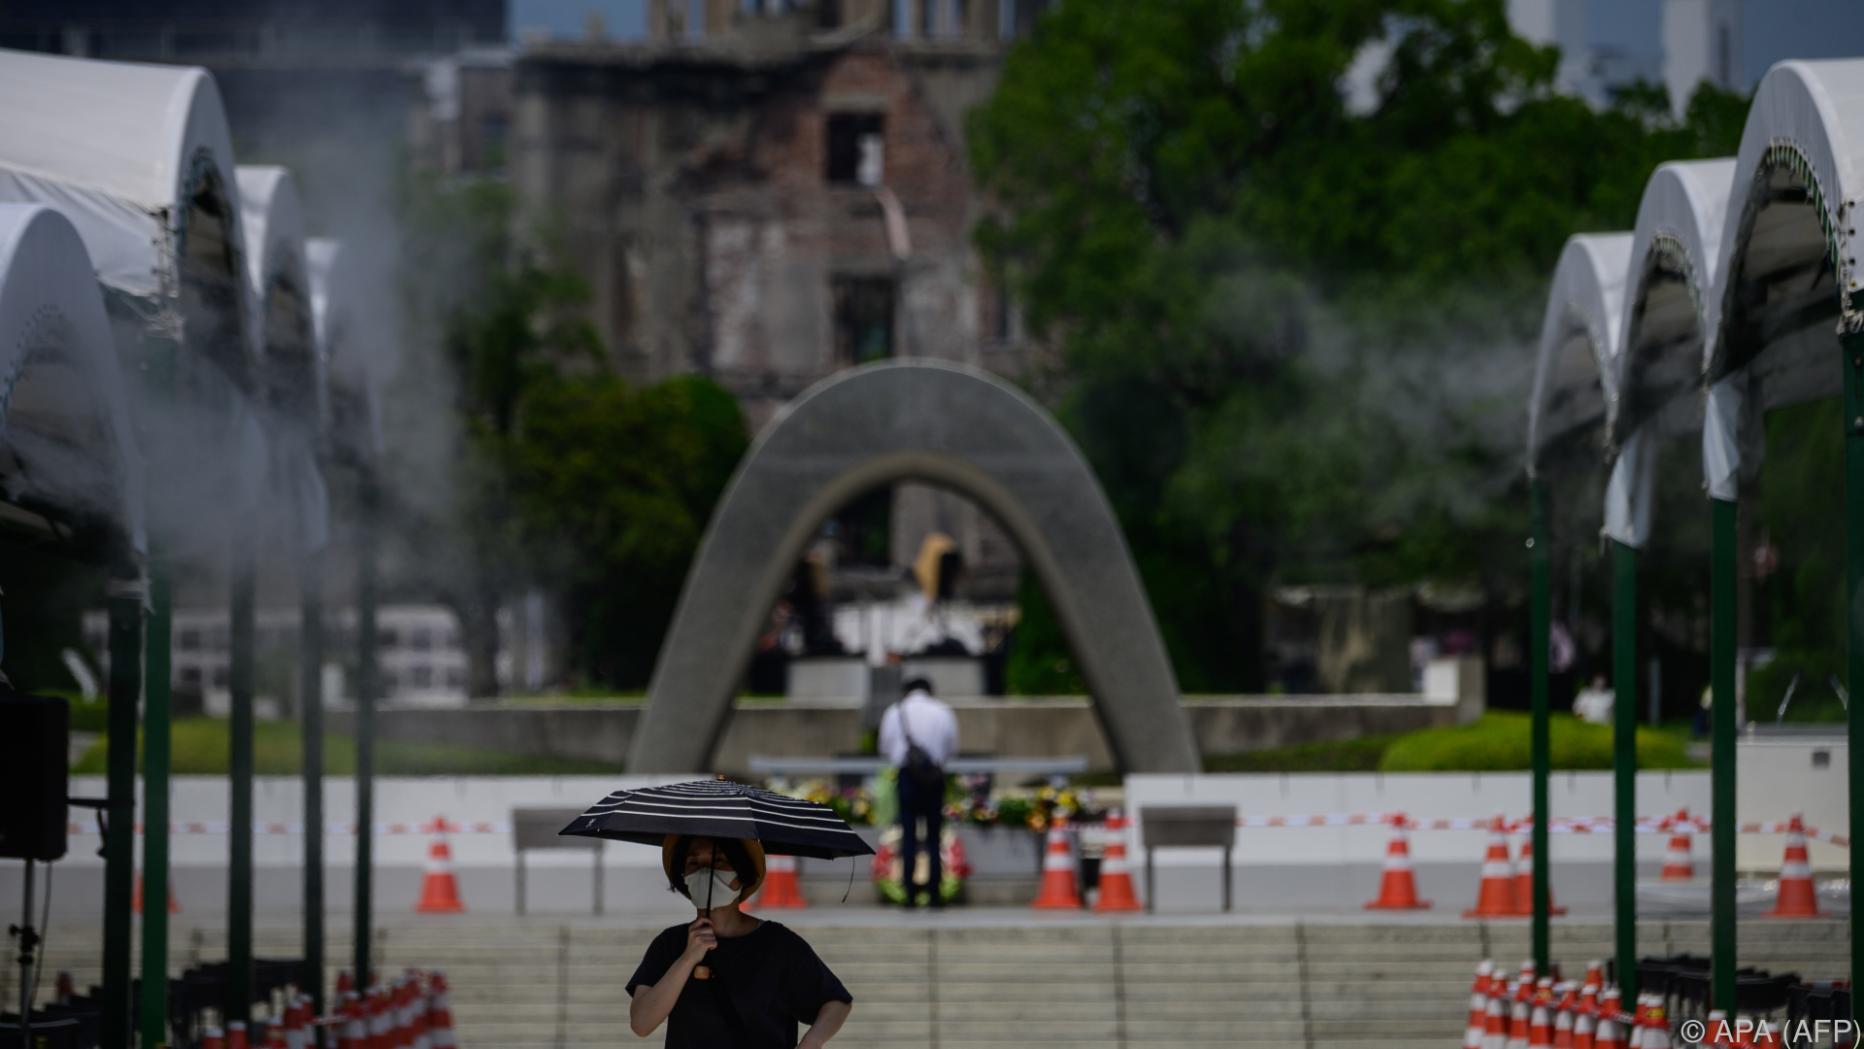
(722, 892)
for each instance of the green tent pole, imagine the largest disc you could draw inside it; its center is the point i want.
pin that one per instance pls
(1854, 578)
(1624, 763)
(126, 597)
(311, 700)
(239, 860)
(365, 722)
(1538, 630)
(1722, 755)
(152, 1021)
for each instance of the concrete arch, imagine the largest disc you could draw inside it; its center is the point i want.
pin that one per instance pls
(946, 425)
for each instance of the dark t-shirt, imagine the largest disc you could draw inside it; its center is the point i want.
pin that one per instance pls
(770, 976)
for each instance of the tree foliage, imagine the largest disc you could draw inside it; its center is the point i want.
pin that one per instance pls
(1293, 255)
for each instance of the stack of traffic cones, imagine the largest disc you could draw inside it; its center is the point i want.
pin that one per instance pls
(1116, 881)
(1677, 864)
(440, 889)
(1058, 890)
(1524, 882)
(1478, 1006)
(355, 1034)
(440, 1015)
(782, 886)
(1496, 898)
(1797, 898)
(1398, 885)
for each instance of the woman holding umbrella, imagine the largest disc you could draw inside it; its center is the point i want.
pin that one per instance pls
(728, 979)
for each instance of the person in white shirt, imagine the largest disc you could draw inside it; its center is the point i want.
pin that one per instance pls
(919, 735)
(1594, 703)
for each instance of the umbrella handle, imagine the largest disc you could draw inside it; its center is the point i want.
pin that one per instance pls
(703, 971)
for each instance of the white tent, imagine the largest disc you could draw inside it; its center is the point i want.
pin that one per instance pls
(139, 159)
(65, 434)
(1789, 258)
(292, 374)
(1574, 381)
(1675, 256)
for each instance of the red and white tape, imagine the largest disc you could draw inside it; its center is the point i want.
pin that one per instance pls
(1558, 825)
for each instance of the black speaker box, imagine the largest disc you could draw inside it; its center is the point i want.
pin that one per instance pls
(35, 734)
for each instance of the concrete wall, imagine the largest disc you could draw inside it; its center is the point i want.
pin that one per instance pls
(1046, 727)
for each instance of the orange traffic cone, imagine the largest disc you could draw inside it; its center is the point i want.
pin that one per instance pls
(1519, 1013)
(1495, 1020)
(1540, 1019)
(1116, 882)
(782, 887)
(1796, 899)
(1478, 1006)
(1609, 1033)
(1058, 891)
(275, 1034)
(1677, 865)
(135, 902)
(236, 1036)
(440, 889)
(1496, 898)
(1565, 1006)
(1524, 882)
(440, 1015)
(211, 1038)
(1398, 885)
(355, 1029)
(1585, 1015)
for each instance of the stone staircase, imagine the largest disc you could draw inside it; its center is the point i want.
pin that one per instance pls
(1132, 984)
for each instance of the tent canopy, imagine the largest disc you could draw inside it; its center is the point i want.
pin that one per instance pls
(139, 159)
(1788, 252)
(1574, 381)
(294, 375)
(66, 441)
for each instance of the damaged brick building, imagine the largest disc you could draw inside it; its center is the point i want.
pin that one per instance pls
(775, 194)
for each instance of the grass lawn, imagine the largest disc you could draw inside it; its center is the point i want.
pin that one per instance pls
(200, 749)
(1495, 742)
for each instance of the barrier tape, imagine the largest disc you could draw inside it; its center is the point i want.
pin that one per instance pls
(1558, 825)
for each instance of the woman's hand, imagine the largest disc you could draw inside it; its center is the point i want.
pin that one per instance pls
(700, 938)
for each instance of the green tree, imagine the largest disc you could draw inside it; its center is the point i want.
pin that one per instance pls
(1294, 330)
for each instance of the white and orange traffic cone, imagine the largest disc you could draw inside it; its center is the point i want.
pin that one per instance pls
(1565, 1009)
(1398, 885)
(1540, 1016)
(1496, 898)
(213, 1038)
(1116, 881)
(440, 888)
(1495, 1019)
(1585, 1014)
(135, 900)
(1478, 1006)
(1677, 864)
(1797, 898)
(1524, 881)
(1519, 1013)
(1609, 1032)
(440, 1014)
(1059, 890)
(355, 1032)
(236, 1035)
(275, 1034)
(782, 885)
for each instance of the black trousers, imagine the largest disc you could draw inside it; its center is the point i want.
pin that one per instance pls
(918, 807)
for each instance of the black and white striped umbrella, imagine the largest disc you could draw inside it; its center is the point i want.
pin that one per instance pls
(721, 809)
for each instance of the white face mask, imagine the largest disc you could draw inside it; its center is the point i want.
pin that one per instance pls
(721, 888)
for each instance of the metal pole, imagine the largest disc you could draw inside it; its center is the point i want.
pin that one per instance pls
(1722, 600)
(365, 720)
(311, 700)
(1854, 577)
(1624, 763)
(152, 1023)
(120, 808)
(239, 859)
(1539, 628)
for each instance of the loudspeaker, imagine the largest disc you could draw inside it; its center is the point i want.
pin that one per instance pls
(35, 734)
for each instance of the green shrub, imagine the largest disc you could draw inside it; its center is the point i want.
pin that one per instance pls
(1498, 742)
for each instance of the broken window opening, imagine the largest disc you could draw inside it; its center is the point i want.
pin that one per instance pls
(863, 308)
(855, 148)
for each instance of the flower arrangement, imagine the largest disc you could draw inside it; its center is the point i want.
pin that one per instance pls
(970, 801)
